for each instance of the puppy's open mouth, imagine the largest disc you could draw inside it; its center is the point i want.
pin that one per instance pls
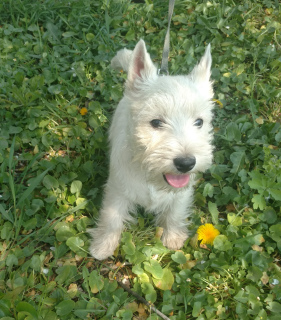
(177, 180)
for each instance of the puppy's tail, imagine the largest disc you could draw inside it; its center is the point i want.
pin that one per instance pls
(121, 60)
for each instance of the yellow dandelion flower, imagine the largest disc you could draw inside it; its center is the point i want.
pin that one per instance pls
(207, 233)
(219, 103)
(83, 111)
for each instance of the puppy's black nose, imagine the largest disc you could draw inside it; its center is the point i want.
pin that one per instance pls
(185, 164)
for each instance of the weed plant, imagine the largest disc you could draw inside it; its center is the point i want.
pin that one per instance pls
(57, 95)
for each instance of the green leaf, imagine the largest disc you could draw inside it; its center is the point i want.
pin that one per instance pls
(11, 260)
(258, 201)
(130, 35)
(111, 310)
(254, 274)
(241, 308)
(262, 315)
(137, 269)
(208, 190)
(35, 183)
(129, 246)
(179, 257)
(68, 34)
(50, 182)
(30, 224)
(232, 132)
(76, 186)
(258, 181)
(15, 130)
(143, 278)
(154, 268)
(221, 243)
(241, 296)
(79, 206)
(50, 315)
(75, 243)
(238, 159)
(37, 204)
(213, 209)
(65, 307)
(275, 232)
(55, 89)
(53, 31)
(150, 293)
(278, 136)
(64, 232)
(19, 77)
(94, 122)
(196, 308)
(270, 215)
(44, 123)
(166, 282)
(90, 36)
(125, 314)
(276, 194)
(96, 282)
(6, 230)
(258, 239)
(66, 274)
(33, 27)
(5, 310)
(3, 144)
(35, 263)
(234, 219)
(274, 307)
(28, 308)
(6, 214)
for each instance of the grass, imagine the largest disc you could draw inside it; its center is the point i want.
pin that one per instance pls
(57, 95)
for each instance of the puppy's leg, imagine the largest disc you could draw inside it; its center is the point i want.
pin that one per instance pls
(114, 212)
(174, 222)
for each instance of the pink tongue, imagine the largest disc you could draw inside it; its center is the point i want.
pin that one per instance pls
(177, 180)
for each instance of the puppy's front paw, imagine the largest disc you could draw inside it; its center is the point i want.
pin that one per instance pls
(174, 241)
(103, 245)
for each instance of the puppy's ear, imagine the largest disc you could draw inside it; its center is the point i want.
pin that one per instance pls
(202, 72)
(141, 65)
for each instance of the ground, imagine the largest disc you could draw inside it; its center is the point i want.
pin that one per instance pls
(57, 95)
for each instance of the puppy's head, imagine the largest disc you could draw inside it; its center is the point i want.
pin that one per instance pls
(170, 119)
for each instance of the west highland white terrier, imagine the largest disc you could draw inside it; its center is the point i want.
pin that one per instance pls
(160, 138)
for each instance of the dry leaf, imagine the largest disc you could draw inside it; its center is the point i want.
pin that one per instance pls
(264, 278)
(259, 120)
(257, 248)
(159, 232)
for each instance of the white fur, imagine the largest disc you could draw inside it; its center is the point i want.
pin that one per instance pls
(141, 154)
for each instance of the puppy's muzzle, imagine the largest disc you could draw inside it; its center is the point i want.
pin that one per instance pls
(185, 164)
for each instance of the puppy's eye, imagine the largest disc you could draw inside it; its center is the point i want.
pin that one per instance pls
(198, 123)
(156, 123)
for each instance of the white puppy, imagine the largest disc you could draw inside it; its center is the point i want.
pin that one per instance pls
(160, 138)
